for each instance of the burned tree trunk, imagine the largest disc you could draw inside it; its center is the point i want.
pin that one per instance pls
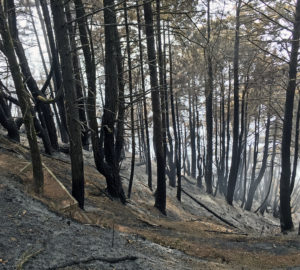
(24, 103)
(64, 49)
(148, 156)
(160, 199)
(285, 186)
(44, 111)
(235, 149)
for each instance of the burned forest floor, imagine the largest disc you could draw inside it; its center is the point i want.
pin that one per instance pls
(51, 232)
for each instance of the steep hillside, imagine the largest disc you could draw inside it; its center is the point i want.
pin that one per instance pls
(109, 235)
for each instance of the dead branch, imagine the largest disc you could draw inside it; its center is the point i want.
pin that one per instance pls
(209, 210)
(226, 232)
(94, 258)
(26, 257)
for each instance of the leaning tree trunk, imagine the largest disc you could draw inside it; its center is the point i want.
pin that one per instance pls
(285, 187)
(44, 110)
(24, 103)
(64, 50)
(160, 198)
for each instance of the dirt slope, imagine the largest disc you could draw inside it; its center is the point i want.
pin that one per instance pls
(187, 238)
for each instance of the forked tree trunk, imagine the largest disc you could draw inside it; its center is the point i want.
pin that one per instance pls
(43, 110)
(57, 72)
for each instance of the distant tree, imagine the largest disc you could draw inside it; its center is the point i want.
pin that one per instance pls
(141, 59)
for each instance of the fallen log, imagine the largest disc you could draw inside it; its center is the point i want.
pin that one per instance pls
(91, 259)
(209, 210)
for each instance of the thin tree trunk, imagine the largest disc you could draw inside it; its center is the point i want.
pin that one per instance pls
(296, 149)
(208, 106)
(254, 184)
(41, 53)
(131, 99)
(24, 103)
(78, 85)
(235, 149)
(57, 73)
(44, 110)
(172, 103)
(148, 154)
(263, 205)
(179, 153)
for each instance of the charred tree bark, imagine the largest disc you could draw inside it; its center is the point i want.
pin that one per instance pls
(264, 204)
(24, 103)
(177, 164)
(161, 78)
(235, 149)
(221, 173)
(254, 184)
(160, 198)
(57, 72)
(64, 49)
(285, 186)
(148, 156)
(192, 122)
(78, 82)
(208, 106)
(110, 164)
(131, 99)
(228, 129)
(42, 55)
(179, 153)
(6, 119)
(296, 149)
(44, 111)
(91, 80)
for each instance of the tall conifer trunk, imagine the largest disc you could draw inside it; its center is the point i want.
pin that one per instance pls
(160, 198)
